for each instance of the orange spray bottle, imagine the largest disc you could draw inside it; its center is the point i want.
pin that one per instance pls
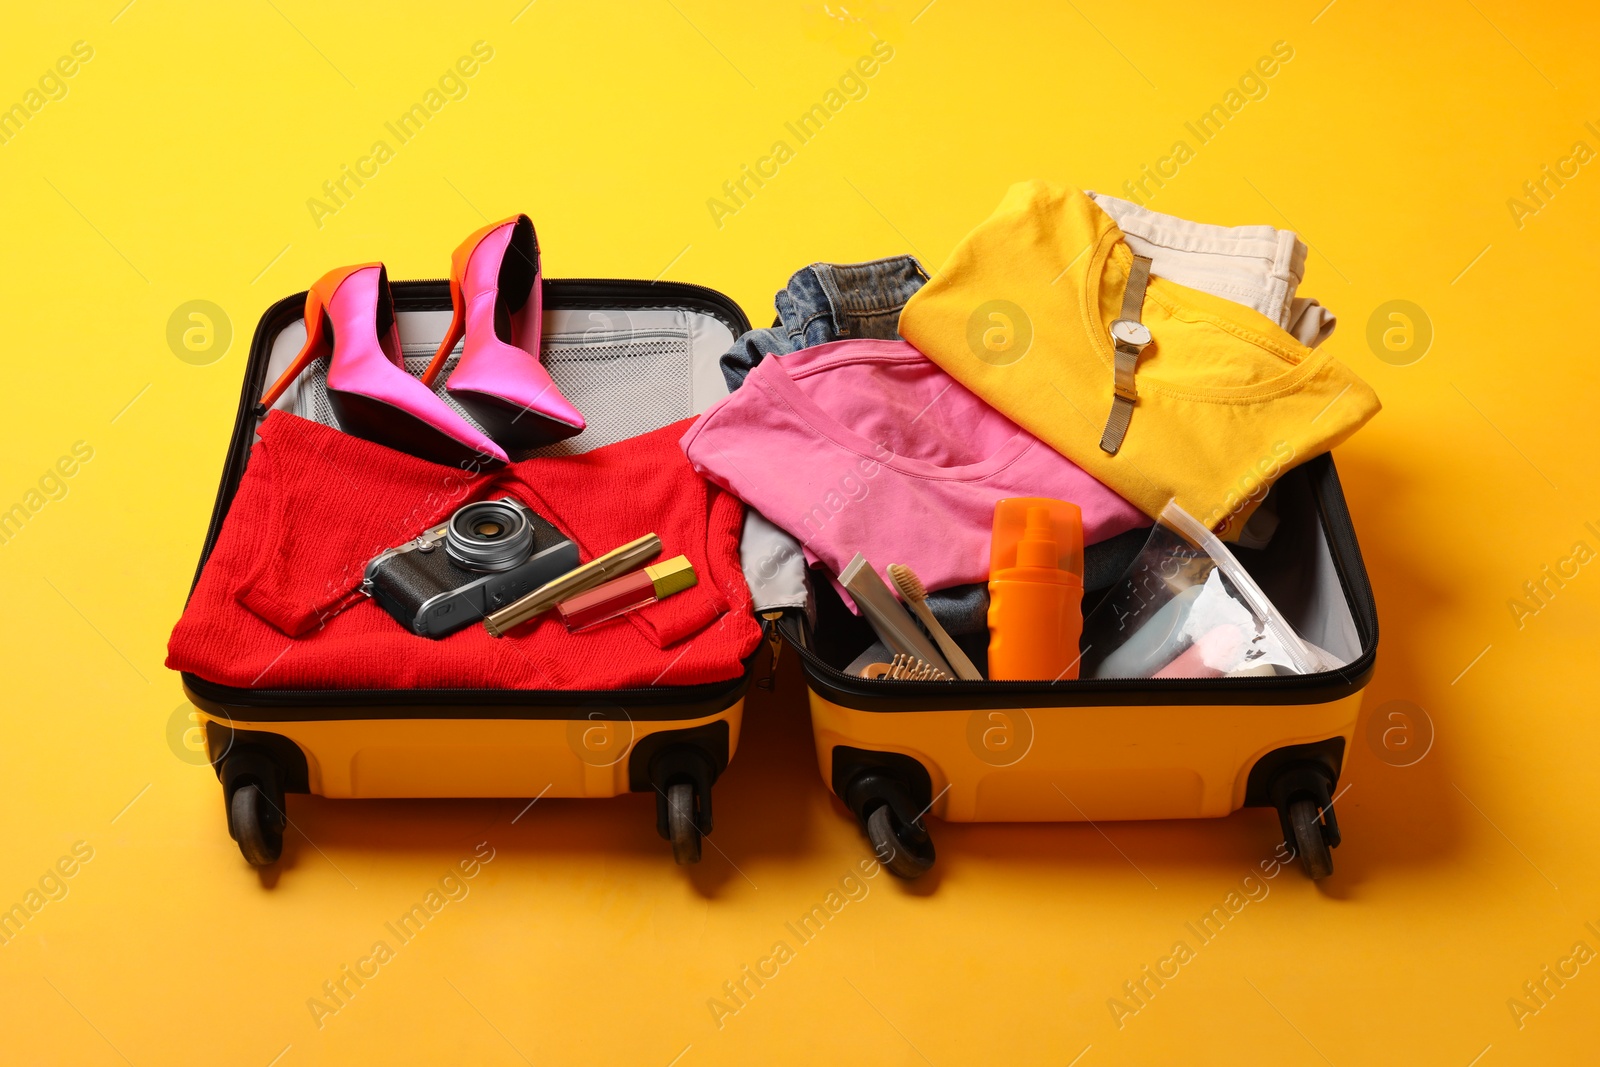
(1035, 590)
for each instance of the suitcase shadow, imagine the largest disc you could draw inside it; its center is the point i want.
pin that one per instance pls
(767, 804)
(1400, 803)
(1407, 808)
(1402, 806)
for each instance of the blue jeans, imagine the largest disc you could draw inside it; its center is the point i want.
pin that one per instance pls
(829, 302)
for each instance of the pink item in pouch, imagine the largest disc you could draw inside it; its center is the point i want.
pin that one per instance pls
(1220, 644)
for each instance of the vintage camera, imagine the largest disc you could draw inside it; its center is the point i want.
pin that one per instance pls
(482, 558)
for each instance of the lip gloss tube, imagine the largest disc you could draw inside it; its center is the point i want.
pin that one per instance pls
(585, 576)
(628, 593)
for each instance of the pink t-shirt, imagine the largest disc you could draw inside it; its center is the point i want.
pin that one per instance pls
(867, 446)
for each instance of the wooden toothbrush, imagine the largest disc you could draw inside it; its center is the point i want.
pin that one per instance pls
(915, 595)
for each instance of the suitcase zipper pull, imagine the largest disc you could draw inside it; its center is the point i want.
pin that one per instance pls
(776, 642)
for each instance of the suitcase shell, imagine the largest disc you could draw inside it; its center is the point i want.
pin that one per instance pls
(1108, 749)
(480, 742)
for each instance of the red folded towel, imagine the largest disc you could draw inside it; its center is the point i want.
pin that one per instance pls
(278, 604)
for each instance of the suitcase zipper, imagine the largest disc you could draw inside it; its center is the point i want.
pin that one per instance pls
(688, 701)
(1297, 689)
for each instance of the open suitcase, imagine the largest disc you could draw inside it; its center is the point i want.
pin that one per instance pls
(639, 354)
(1107, 749)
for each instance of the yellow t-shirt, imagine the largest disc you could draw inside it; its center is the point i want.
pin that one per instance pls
(1228, 400)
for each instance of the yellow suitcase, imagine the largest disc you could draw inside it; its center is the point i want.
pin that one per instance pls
(1107, 749)
(650, 351)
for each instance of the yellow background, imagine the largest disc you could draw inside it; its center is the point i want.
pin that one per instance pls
(178, 166)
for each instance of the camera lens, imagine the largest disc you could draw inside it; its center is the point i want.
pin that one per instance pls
(491, 535)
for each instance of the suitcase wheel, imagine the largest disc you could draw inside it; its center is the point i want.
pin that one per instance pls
(1308, 839)
(682, 777)
(1302, 794)
(252, 785)
(257, 826)
(906, 851)
(681, 828)
(893, 825)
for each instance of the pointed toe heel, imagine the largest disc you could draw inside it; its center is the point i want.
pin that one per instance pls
(350, 318)
(496, 292)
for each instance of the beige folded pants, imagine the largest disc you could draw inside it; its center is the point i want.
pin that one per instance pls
(1257, 266)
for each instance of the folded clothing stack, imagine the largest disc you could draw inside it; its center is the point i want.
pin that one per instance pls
(1257, 266)
(278, 605)
(1227, 400)
(1231, 394)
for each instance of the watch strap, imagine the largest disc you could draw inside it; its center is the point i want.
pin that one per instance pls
(1133, 292)
(1125, 394)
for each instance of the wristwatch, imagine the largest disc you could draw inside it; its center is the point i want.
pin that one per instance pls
(1129, 338)
(1130, 333)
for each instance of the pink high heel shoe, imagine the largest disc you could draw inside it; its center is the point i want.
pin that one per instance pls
(350, 313)
(496, 289)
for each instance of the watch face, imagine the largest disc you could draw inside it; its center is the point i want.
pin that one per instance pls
(1130, 333)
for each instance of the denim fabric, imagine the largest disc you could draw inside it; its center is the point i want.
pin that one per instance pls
(829, 302)
(823, 302)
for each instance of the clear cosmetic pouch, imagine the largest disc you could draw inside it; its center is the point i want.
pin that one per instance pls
(1187, 608)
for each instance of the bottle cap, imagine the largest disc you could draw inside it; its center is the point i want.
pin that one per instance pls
(671, 576)
(1038, 534)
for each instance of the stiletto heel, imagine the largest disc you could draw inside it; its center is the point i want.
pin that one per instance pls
(350, 317)
(458, 306)
(497, 292)
(318, 342)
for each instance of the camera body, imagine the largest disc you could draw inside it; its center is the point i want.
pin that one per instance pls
(486, 555)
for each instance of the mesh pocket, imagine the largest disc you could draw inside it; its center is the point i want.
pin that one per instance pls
(624, 385)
